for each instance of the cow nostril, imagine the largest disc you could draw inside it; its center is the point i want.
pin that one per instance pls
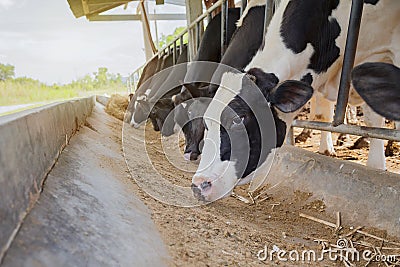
(205, 185)
(197, 192)
(194, 156)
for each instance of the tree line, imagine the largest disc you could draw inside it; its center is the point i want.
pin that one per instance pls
(23, 90)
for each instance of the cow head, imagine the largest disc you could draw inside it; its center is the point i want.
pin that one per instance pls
(247, 119)
(141, 110)
(160, 111)
(191, 104)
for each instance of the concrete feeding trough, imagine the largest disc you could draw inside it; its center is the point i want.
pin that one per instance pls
(365, 196)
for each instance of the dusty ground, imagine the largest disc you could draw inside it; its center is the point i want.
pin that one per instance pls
(230, 232)
(345, 151)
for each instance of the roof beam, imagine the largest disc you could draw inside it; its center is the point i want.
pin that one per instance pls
(105, 2)
(136, 17)
(85, 7)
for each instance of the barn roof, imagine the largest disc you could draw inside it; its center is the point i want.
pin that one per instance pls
(93, 7)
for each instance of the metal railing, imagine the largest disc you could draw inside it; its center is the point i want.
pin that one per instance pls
(172, 46)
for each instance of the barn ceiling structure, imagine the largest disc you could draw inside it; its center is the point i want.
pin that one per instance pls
(92, 10)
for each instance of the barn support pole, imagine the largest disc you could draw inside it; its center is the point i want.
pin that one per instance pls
(224, 21)
(348, 61)
(149, 47)
(194, 9)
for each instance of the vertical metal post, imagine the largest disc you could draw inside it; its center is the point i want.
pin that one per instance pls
(269, 12)
(198, 35)
(290, 137)
(243, 6)
(181, 43)
(224, 15)
(174, 57)
(348, 60)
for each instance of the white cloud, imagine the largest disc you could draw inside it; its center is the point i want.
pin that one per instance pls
(6, 3)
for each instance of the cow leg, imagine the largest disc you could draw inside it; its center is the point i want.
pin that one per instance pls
(351, 114)
(324, 112)
(376, 156)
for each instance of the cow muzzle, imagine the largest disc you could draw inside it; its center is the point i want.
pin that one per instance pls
(192, 155)
(201, 188)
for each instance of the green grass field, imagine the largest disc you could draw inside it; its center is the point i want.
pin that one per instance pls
(24, 90)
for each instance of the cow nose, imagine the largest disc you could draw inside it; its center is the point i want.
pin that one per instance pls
(197, 192)
(205, 185)
(194, 155)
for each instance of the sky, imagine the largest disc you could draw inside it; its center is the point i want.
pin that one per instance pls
(46, 42)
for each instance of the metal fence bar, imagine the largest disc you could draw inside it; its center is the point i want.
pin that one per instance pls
(224, 19)
(197, 36)
(243, 6)
(269, 12)
(290, 137)
(174, 54)
(180, 36)
(373, 132)
(348, 60)
(181, 43)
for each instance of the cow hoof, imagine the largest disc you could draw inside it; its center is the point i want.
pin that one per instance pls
(342, 139)
(302, 137)
(361, 142)
(329, 153)
(391, 149)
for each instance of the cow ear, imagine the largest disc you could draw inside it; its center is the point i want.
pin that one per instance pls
(379, 85)
(290, 96)
(181, 97)
(192, 89)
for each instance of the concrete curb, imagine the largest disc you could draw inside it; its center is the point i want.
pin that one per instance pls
(364, 196)
(30, 143)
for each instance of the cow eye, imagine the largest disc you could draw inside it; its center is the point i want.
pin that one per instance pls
(237, 121)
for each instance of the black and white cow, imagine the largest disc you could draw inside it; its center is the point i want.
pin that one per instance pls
(148, 71)
(147, 104)
(303, 50)
(209, 50)
(159, 100)
(245, 42)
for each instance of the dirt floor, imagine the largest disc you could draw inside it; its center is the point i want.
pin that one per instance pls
(346, 150)
(230, 232)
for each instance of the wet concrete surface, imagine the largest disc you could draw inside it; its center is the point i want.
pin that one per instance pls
(87, 214)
